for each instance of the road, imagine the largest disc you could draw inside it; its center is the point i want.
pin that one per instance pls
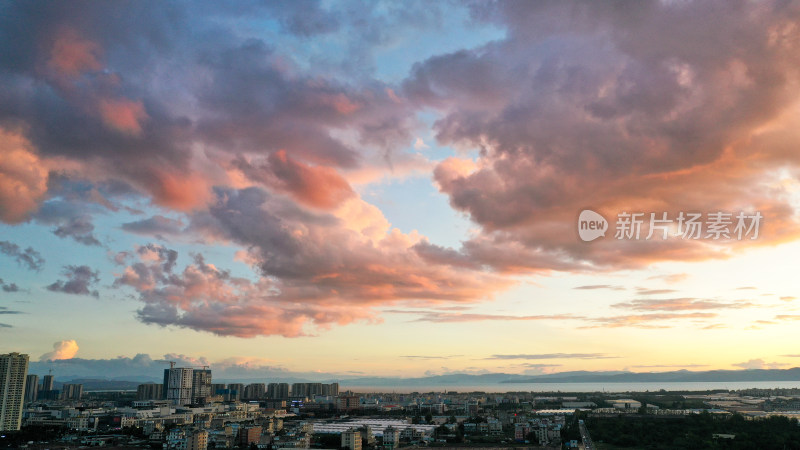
(587, 440)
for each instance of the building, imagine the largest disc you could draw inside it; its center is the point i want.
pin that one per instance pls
(201, 386)
(186, 439)
(47, 383)
(351, 439)
(13, 372)
(348, 402)
(31, 388)
(197, 440)
(330, 389)
(179, 385)
(235, 390)
(249, 435)
(150, 391)
(72, 392)
(254, 391)
(47, 389)
(391, 438)
(278, 390)
(626, 403)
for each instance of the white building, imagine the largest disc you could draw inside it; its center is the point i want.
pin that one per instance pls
(179, 385)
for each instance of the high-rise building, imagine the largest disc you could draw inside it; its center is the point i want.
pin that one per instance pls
(13, 371)
(72, 392)
(201, 386)
(149, 391)
(351, 439)
(236, 390)
(47, 383)
(330, 389)
(254, 391)
(31, 388)
(179, 385)
(278, 390)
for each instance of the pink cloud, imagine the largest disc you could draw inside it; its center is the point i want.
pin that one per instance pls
(123, 115)
(71, 55)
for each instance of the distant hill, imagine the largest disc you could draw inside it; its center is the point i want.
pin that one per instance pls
(673, 376)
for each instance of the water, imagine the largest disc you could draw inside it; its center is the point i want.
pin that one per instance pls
(582, 387)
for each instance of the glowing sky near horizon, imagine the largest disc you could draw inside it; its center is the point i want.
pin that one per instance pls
(388, 188)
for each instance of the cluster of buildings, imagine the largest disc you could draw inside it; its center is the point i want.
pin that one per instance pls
(193, 386)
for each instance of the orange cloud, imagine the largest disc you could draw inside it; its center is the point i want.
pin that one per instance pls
(179, 191)
(123, 115)
(316, 186)
(61, 350)
(23, 177)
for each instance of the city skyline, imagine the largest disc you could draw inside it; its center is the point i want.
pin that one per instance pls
(395, 190)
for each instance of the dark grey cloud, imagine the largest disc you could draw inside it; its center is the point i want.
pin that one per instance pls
(8, 287)
(28, 257)
(80, 281)
(80, 229)
(158, 226)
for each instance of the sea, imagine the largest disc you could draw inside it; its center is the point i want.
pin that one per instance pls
(579, 387)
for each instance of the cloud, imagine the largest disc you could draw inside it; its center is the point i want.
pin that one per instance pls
(555, 356)
(788, 298)
(158, 226)
(123, 115)
(644, 291)
(142, 367)
(23, 177)
(61, 350)
(600, 286)
(668, 366)
(656, 320)
(426, 357)
(670, 278)
(759, 364)
(680, 304)
(440, 317)
(787, 317)
(78, 228)
(8, 287)
(316, 186)
(72, 55)
(256, 142)
(612, 106)
(80, 280)
(29, 257)
(5, 310)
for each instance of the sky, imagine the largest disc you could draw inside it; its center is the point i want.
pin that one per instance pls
(396, 189)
